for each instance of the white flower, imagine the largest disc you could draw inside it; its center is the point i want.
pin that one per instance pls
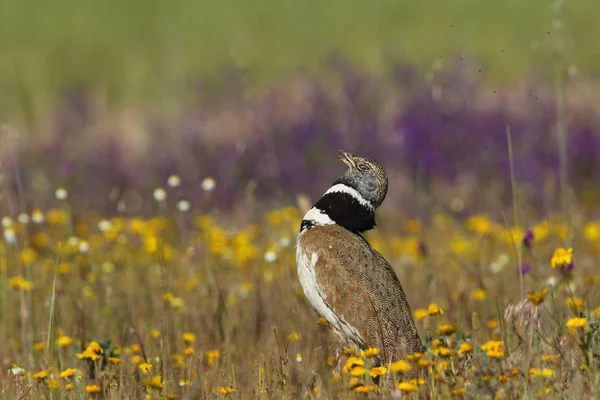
(10, 236)
(183, 205)
(160, 194)
(298, 357)
(61, 194)
(37, 216)
(270, 256)
(499, 264)
(7, 222)
(551, 281)
(73, 241)
(174, 180)
(23, 218)
(208, 184)
(284, 241)
(17, 371)
(104, 225)
(84, 246)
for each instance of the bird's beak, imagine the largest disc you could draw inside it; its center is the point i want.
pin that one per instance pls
(347, 159)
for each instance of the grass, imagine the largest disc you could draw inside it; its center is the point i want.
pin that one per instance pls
(179, 304)
(140, 50)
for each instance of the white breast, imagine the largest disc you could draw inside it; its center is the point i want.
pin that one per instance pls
(316, 298)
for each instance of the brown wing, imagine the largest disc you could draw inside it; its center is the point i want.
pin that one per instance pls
(361, 287)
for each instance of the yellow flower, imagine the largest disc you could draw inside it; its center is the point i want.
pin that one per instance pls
(459, 391)
(115, 360)
(400, 366)
(28, 256)
(492, 324)
(136, 359)
(225, 390)
(67, 373)
(151, 244)
(92, 388)
(418, 381)
(414, 357)
(513, 235)
(541, 231)
(351, 352)
(479, 295)
(546, 372)
(69, 387)
(407, 387)
(376, 371)
(155, 382)
(576, 303)
(39, 346)
(480, 224)
(358, 371)
(189, 338)
(562, 257)
(63, 341)
(352, 362)
(465, 348)
(212, 356)
(57, 216)
(364, 388)
(95, 347)
(154, 334)
(294, 337)
(370, 352)
(216, 240)
(421, 313)
(91, 352)
(442, 351)
(461, 246)
(537, 298)
(434, 309)
(595, 312)
(53, 384)
(188, 351)
(591, 231)
(443, 366)
(550, 358)
(16, 282)
(446, 329)
(40, 376)
(178, 360)
(576, 322)
(322, 322)
(494, 348)
(145, 368)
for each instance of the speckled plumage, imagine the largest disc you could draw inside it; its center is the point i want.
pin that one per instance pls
(362, 289)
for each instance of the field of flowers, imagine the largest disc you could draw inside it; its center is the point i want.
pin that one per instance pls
(147, 255)
(178, 305)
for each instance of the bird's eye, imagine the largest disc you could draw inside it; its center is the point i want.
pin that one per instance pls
(363, 167)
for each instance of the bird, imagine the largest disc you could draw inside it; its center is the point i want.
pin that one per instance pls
(344, 279)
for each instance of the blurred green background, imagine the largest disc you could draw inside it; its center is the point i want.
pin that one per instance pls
(146, 50)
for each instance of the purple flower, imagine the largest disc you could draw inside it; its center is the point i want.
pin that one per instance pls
(525, 269)
(528, 239)
(567, 269)
(423, 250)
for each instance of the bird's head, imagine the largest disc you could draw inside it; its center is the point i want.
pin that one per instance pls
(366, 176)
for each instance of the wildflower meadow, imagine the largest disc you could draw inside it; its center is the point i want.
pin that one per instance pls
(156, 163)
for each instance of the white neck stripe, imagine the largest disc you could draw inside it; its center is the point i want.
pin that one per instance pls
(342, 188)
(319, 217)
